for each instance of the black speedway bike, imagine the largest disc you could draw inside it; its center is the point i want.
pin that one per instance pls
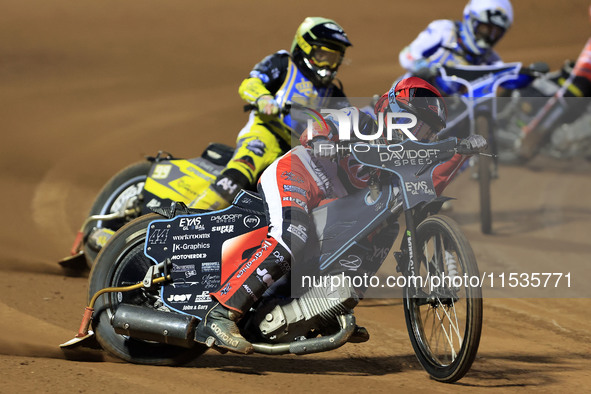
(150, 285)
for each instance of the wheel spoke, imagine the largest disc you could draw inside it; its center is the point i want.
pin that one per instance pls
(455, 327)
(456, 319)
(448, 336)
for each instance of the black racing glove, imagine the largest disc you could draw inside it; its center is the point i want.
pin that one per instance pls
(472, 145)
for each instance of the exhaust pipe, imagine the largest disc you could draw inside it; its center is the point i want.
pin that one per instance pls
(153, 325)
(313, 345)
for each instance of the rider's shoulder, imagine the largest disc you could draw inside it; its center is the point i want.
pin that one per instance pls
(279, 53)
(275, 59)
(441, 27)
(282, 53)
(299, 152)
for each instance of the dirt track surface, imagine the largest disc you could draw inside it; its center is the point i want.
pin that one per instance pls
(90, 87)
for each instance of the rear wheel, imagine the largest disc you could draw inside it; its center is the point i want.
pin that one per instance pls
(126, 184)
(485, 168)
(444, 320)
(122, 262)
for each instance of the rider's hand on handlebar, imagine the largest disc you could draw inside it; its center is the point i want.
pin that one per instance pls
(426, 73)
(323, 147)
(471, 145)
(425, 70)
(266, 105)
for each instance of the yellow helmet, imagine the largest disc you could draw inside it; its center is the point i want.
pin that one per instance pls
(318, 49)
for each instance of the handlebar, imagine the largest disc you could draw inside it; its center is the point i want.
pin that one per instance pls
(343, 147)
(507, 75)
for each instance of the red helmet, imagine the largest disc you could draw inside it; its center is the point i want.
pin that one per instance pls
(420, 98)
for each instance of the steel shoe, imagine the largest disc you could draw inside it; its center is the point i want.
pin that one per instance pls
(360, 335)
(218, 329)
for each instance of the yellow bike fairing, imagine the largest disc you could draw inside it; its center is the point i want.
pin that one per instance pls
(178, 180)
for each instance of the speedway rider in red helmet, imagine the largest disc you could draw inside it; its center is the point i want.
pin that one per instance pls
(417, 96)
(298, 182)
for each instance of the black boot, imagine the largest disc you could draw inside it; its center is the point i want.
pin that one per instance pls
(218, 328)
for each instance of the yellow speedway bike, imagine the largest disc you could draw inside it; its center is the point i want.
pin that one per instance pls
(143, 186)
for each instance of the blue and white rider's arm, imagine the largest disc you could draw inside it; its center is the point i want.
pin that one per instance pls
(420, 53)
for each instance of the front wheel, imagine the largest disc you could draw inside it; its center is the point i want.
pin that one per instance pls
(122, 262)
(444, 316)
(126, 184)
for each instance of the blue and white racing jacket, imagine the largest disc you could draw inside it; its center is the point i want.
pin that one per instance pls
(439, 44)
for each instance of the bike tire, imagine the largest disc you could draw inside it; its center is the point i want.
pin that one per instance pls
(485, 163)
(120, 263)
(444, 326)
(128, 182)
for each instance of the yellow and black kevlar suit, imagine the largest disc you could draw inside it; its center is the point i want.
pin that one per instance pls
(264, 138)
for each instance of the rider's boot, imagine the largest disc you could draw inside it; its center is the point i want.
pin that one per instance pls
(528, 146)
(235, 297)
(222, 191)
(209, 199)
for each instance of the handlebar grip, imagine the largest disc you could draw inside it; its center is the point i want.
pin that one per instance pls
(284, 110)
(536, 69)
(464, 150)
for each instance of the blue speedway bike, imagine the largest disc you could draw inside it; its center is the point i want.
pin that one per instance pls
(474, 107)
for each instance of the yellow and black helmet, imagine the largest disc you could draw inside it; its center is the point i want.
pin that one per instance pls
(318, 49)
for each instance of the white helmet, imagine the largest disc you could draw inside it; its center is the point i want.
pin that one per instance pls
(485, 22)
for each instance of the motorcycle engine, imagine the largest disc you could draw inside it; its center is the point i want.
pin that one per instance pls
(312, 314)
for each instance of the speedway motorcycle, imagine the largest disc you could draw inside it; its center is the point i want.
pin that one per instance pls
(540, 118)
(474, 107)
(150, 285)
(142, 186)
(151, 183)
